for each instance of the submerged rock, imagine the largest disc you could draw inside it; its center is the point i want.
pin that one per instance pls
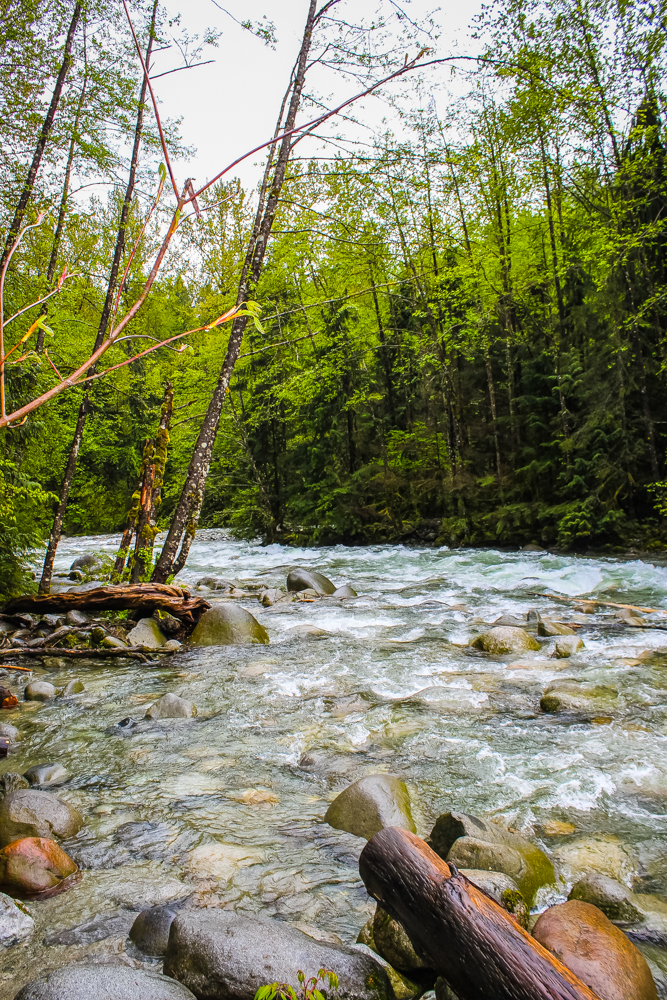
(150, 931)
(272, 595)
(46, 774)
(505, 639)
(309, 579)
(608, 895)
(345, 591)
(548, 628)
(227, 625)
(40, 691)
(103, 982)
(470, 842)
(34, 864)
(72, 687)
(370, 804)
(217, 583)
(307, 632)
(570, 695)
(390, 939)
(585, 941)
(147, 633)
(170, 706)
(221, 955)
(503, 889)
(28, 812)
(15, 924)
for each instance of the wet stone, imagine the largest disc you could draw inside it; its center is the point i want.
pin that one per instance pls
(370, 804)
(32, 813)
(34, 864)
(608, 895)
(309, 579)
(40, 691)
(173, 645)
(228, 624)
(570, 695)
(505, 639)
(147, 633)
(9, 732)
(72, 687)
(77, 618)
(46, 774)
(150, 930)
(170, 706)
(392, 942)
(502, 888)
(16, 925)
(106, 925)
(11, 780)
(345, 591)
(567, 646)
(549, 628)
(102, 982)
(112, 642)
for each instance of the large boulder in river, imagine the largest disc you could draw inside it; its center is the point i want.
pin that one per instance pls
(28, 812)
(220, 954)
(228, 624)
(585, 941)
(470, 842)
(309, 579)
(91, 564)
(34, 864)
(505, 639)
(101, 982)
(370, 804)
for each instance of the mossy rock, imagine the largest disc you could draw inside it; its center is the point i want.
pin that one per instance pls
(228, 624)
(506, 639)
(371, 804)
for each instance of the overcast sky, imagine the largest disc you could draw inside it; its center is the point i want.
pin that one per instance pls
(231, 105)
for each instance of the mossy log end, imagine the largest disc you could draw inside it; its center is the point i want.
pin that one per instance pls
(460, 931)
(135, 597)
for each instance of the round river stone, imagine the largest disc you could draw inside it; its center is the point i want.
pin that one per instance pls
(226, 625)
(100, 982)
(28, 812)
(370, 804)
(505, 639)
(309, 579)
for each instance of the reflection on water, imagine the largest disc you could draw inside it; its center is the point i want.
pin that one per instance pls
(227, 809)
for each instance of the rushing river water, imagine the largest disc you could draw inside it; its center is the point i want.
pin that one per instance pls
(227, 809)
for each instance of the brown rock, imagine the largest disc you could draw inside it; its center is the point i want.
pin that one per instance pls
(34, 864)
(601, 955)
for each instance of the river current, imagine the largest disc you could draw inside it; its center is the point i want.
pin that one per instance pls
(227, 809)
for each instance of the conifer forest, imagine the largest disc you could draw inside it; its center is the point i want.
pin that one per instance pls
(451, 332)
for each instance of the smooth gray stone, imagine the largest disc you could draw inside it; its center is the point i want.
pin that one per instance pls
(15, 925)
(221, 955)
(228, 624)
(40, 691)
(77, 618)
(309, 579)
(345, 591)
(8, 732)
(100, 928)
(608, 895)
(370, 804)
(170, 706)
(147, 633)
(150, 931)
(28, 812)
(103, 982)
(46, 774)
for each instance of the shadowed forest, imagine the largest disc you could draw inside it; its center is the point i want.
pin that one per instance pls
(462, 319)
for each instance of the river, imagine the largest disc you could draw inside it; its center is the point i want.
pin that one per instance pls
(227, 809)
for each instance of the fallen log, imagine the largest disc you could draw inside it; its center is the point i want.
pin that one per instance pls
(461, 932)
(133, 652)
(603, 604)
(135, 597)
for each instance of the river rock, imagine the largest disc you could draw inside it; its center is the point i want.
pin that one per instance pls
(608, 895)
(571, 695)
(8, 732)
(503, 889)
(173, 645)
(46, 774)
(305, 631)
(170, 706)
(548, 628)
(15, 924)
(309, 579)
(113, 642)
(222, 955)
(470, 842)
(567, 646)
(11, 780)
(217, 583)
(76, 618)
(227, 625)
(103, 982)
(90, 563)
(510, 620)
(505, 639)
(390, 939)
(345, 591)
(32, 813)
(369, 805)
(603, 854)
(34, 864)
(597, 952)
(271, 596)
(39, 691)
(147, 633)
(72, 687)
(150, 931)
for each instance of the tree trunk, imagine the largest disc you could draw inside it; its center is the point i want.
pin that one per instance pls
(84, 409)
(47, 125)
(145, 597)
(189, 504)
(492, 401)
(464, 935)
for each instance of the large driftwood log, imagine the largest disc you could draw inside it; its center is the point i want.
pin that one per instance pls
(140, 597)
(463, 933)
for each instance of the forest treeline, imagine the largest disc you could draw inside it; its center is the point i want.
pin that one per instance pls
(462, 334)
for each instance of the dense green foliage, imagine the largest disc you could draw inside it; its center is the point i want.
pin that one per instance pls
(464, 328)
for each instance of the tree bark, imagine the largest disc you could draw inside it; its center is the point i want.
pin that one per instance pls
(47, 125)
(189, 504)
(84, 409)
(479, 949)
(145, 597)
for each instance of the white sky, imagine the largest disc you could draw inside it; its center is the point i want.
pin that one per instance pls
(231, 106)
